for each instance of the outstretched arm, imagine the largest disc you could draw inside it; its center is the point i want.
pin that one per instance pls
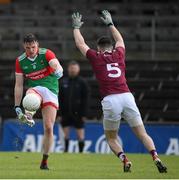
(79, 40)
(117, 36)
(107, 19)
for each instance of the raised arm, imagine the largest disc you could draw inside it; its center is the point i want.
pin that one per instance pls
(79, 40)
(107, 19)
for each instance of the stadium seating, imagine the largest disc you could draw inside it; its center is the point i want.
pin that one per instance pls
(156, 94)
(150, 30)
(148, 27)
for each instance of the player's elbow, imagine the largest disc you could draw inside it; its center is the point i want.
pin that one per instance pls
(79, 44)
(54, 63)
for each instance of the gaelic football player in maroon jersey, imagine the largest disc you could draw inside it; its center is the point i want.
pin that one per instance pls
(41, 70)
(108, 64)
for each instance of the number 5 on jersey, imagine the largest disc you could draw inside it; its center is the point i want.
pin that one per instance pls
(113, 67)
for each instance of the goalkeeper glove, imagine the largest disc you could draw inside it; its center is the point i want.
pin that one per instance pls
(106, 18)
(18, 111)
(23, 117)
(76, 20)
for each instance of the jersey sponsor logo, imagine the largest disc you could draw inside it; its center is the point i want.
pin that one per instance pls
(38, 74)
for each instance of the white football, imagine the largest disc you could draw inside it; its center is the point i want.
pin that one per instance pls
(31, 102)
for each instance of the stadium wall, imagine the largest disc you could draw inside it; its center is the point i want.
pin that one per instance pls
(18, 137)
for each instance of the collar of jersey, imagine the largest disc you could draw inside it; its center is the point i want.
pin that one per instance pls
(107, 51)
(32, 59)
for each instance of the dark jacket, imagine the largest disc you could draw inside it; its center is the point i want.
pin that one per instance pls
(73, 97)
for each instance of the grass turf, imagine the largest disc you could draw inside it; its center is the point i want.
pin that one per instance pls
(92, 166)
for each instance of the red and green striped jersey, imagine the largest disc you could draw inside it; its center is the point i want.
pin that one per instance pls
(37, 71)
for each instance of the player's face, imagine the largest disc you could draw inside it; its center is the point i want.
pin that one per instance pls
(73, 70)
(31, 49)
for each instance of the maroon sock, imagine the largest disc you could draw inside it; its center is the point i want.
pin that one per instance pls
(44, 159)
(122, 157)
(153, 154)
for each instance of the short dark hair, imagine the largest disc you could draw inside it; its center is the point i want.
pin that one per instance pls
(73, 63)
(28, 38)
(104, 42)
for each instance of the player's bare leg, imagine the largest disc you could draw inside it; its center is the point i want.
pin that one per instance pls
(113, 142)
(49, 115)
(66, 131)
(141, 133)
(81, 135)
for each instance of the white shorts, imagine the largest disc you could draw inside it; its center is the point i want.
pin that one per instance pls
(48, 97)
(117, 106)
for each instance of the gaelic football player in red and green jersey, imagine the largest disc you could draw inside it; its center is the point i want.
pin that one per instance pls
(41, 70)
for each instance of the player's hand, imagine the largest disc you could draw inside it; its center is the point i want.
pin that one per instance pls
(20, 114)
(106, 18)
(76, 20)
(18, 111)
(23, 117)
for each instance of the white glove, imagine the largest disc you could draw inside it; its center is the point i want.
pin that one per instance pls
(107, 19)
(18, 110)
(76, 20)
(24, 118)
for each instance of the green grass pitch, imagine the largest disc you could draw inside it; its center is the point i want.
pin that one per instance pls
(75, 166)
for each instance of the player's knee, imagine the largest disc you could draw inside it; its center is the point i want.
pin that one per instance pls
(111, 140)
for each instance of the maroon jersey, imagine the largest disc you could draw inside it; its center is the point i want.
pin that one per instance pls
(109, 69)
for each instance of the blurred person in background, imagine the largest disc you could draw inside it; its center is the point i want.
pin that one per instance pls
(108, 64)
(41, 70)
(73, 98)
